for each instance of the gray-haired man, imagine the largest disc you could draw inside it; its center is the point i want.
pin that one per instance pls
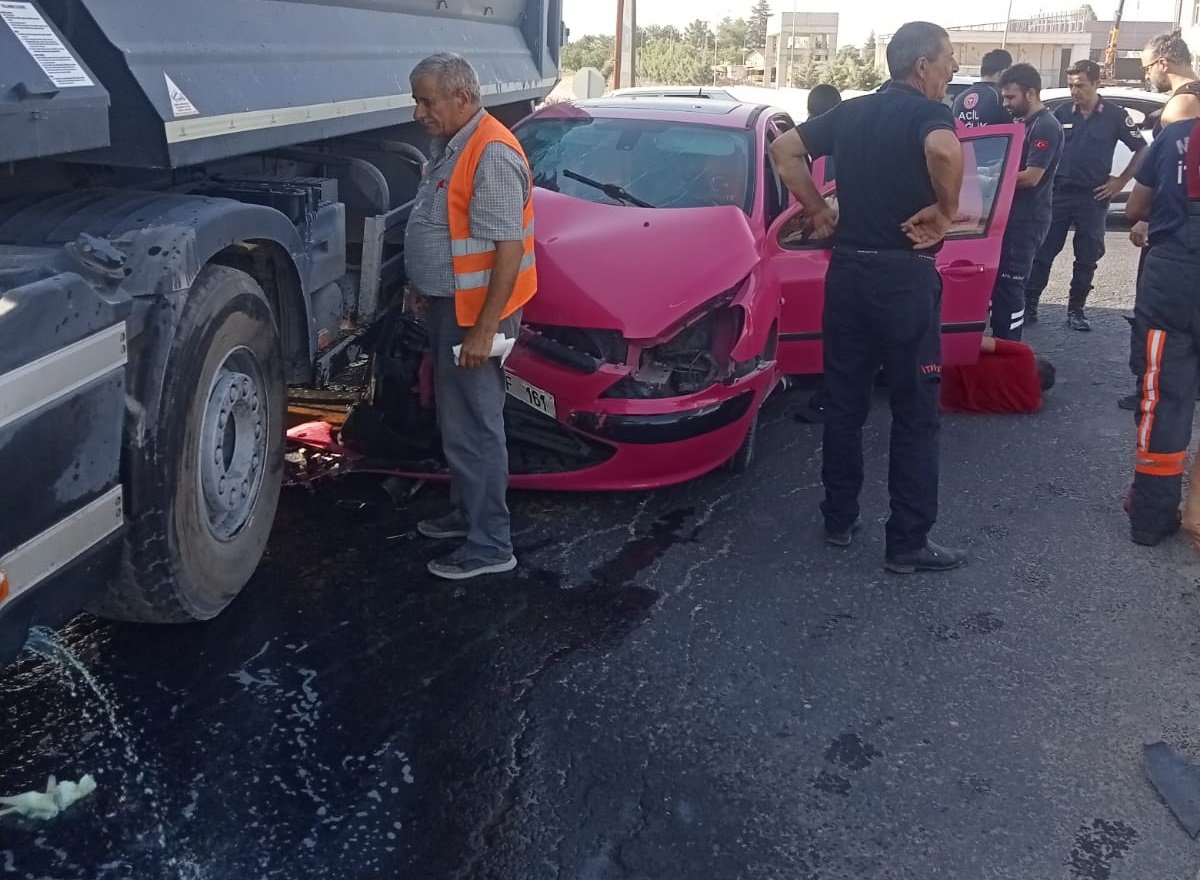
(883, 294)
(468, 253)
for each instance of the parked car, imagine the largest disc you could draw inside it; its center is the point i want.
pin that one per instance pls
(678, 286)
(793, 101)
(1142, 107)
(957, 86)
(714, 93)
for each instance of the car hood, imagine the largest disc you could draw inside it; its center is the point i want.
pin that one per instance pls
(634, 270)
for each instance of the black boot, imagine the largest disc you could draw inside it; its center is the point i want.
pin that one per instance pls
(931, 557)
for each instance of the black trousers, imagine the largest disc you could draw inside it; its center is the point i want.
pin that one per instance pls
(883, 308)
(1022, 239)
(1165, 355)
(1073, 206)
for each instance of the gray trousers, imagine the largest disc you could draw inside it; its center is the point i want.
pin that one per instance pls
(470, 410)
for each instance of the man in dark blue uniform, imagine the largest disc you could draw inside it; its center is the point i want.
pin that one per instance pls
(1165, 346)
(1021, 88)
(981, 104)
(1083, 188)
(1167, 63)
(901, 169)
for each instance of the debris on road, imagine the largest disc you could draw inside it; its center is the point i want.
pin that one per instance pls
(1178, 781)
(49, 803)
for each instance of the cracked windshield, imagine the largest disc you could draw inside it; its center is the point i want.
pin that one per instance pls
(660, 164)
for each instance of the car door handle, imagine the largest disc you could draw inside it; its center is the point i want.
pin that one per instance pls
(960, 271)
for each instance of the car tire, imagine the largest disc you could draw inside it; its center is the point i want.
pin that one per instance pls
(744, 457)
(204, 481)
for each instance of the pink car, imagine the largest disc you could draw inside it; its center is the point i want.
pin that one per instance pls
(677, 287)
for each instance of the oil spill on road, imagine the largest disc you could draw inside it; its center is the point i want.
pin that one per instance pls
(349, 715)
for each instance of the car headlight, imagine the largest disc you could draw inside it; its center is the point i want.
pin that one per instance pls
(691, 356)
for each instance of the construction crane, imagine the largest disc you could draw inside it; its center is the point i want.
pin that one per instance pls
(1109, 73)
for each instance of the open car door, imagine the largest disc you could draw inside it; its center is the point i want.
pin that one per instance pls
(967, 261)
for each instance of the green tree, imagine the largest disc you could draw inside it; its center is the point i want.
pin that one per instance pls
(653, 33)
(731, 40)
(869, 49)
(850, 70)
(807, 75)
(672, 64)
(756, 32)
(697, 35)
(593, 50)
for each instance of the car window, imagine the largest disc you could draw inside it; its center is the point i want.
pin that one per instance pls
(983, 167)
(777, 195)
(664, 164)
(1140, 110)
(796, 232)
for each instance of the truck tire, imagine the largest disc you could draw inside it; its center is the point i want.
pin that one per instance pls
(205, 482)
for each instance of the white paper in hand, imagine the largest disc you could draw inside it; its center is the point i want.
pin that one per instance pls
(502, 347)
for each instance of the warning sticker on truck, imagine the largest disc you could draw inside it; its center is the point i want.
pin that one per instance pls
(39, 39)
(180, 104)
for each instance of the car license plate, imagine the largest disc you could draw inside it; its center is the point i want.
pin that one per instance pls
(542, 401)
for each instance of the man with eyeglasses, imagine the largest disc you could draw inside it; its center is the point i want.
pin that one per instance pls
(1167, 64)
(1083, 187)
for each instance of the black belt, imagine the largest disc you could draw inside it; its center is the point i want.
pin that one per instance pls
(884, 253)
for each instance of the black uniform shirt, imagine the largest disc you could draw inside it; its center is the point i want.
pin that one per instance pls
(1043, 149)
(1088, 144)
(981, 105)
(878, 143)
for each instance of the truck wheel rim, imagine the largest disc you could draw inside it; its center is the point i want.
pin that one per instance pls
(233, 443)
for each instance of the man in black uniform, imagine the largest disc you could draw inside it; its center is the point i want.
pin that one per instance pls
(1165, 348)
(980, 104)
(901, 172)
(1083, 188)
(1167, 63)
(822, 99)
(1021, 89)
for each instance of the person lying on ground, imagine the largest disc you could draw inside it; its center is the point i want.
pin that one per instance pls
(1007, 378)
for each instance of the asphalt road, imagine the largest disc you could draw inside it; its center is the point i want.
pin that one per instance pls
(680, 684)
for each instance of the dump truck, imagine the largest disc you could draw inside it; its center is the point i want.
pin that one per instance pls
(201, 206)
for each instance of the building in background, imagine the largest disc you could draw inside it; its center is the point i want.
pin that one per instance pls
(796, 39)
(1051, 42)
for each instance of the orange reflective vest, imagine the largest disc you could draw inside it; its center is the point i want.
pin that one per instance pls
(475, 257)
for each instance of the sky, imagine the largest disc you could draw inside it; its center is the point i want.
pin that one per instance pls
(858, 17)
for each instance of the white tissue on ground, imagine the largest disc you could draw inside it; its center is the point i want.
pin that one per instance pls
(502, 347)
(49, 803)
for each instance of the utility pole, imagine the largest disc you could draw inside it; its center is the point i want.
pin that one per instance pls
(791, 46)
(625, 64)
(1007, 21)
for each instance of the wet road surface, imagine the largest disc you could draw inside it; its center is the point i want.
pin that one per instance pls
(679, 684)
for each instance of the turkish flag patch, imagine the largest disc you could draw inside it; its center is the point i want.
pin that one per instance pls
(1041, 145)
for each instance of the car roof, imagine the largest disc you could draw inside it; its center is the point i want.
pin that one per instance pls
(1116, 93)
(710, 111)
(670, 92)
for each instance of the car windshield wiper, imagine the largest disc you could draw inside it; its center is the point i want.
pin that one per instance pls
(612, 190)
